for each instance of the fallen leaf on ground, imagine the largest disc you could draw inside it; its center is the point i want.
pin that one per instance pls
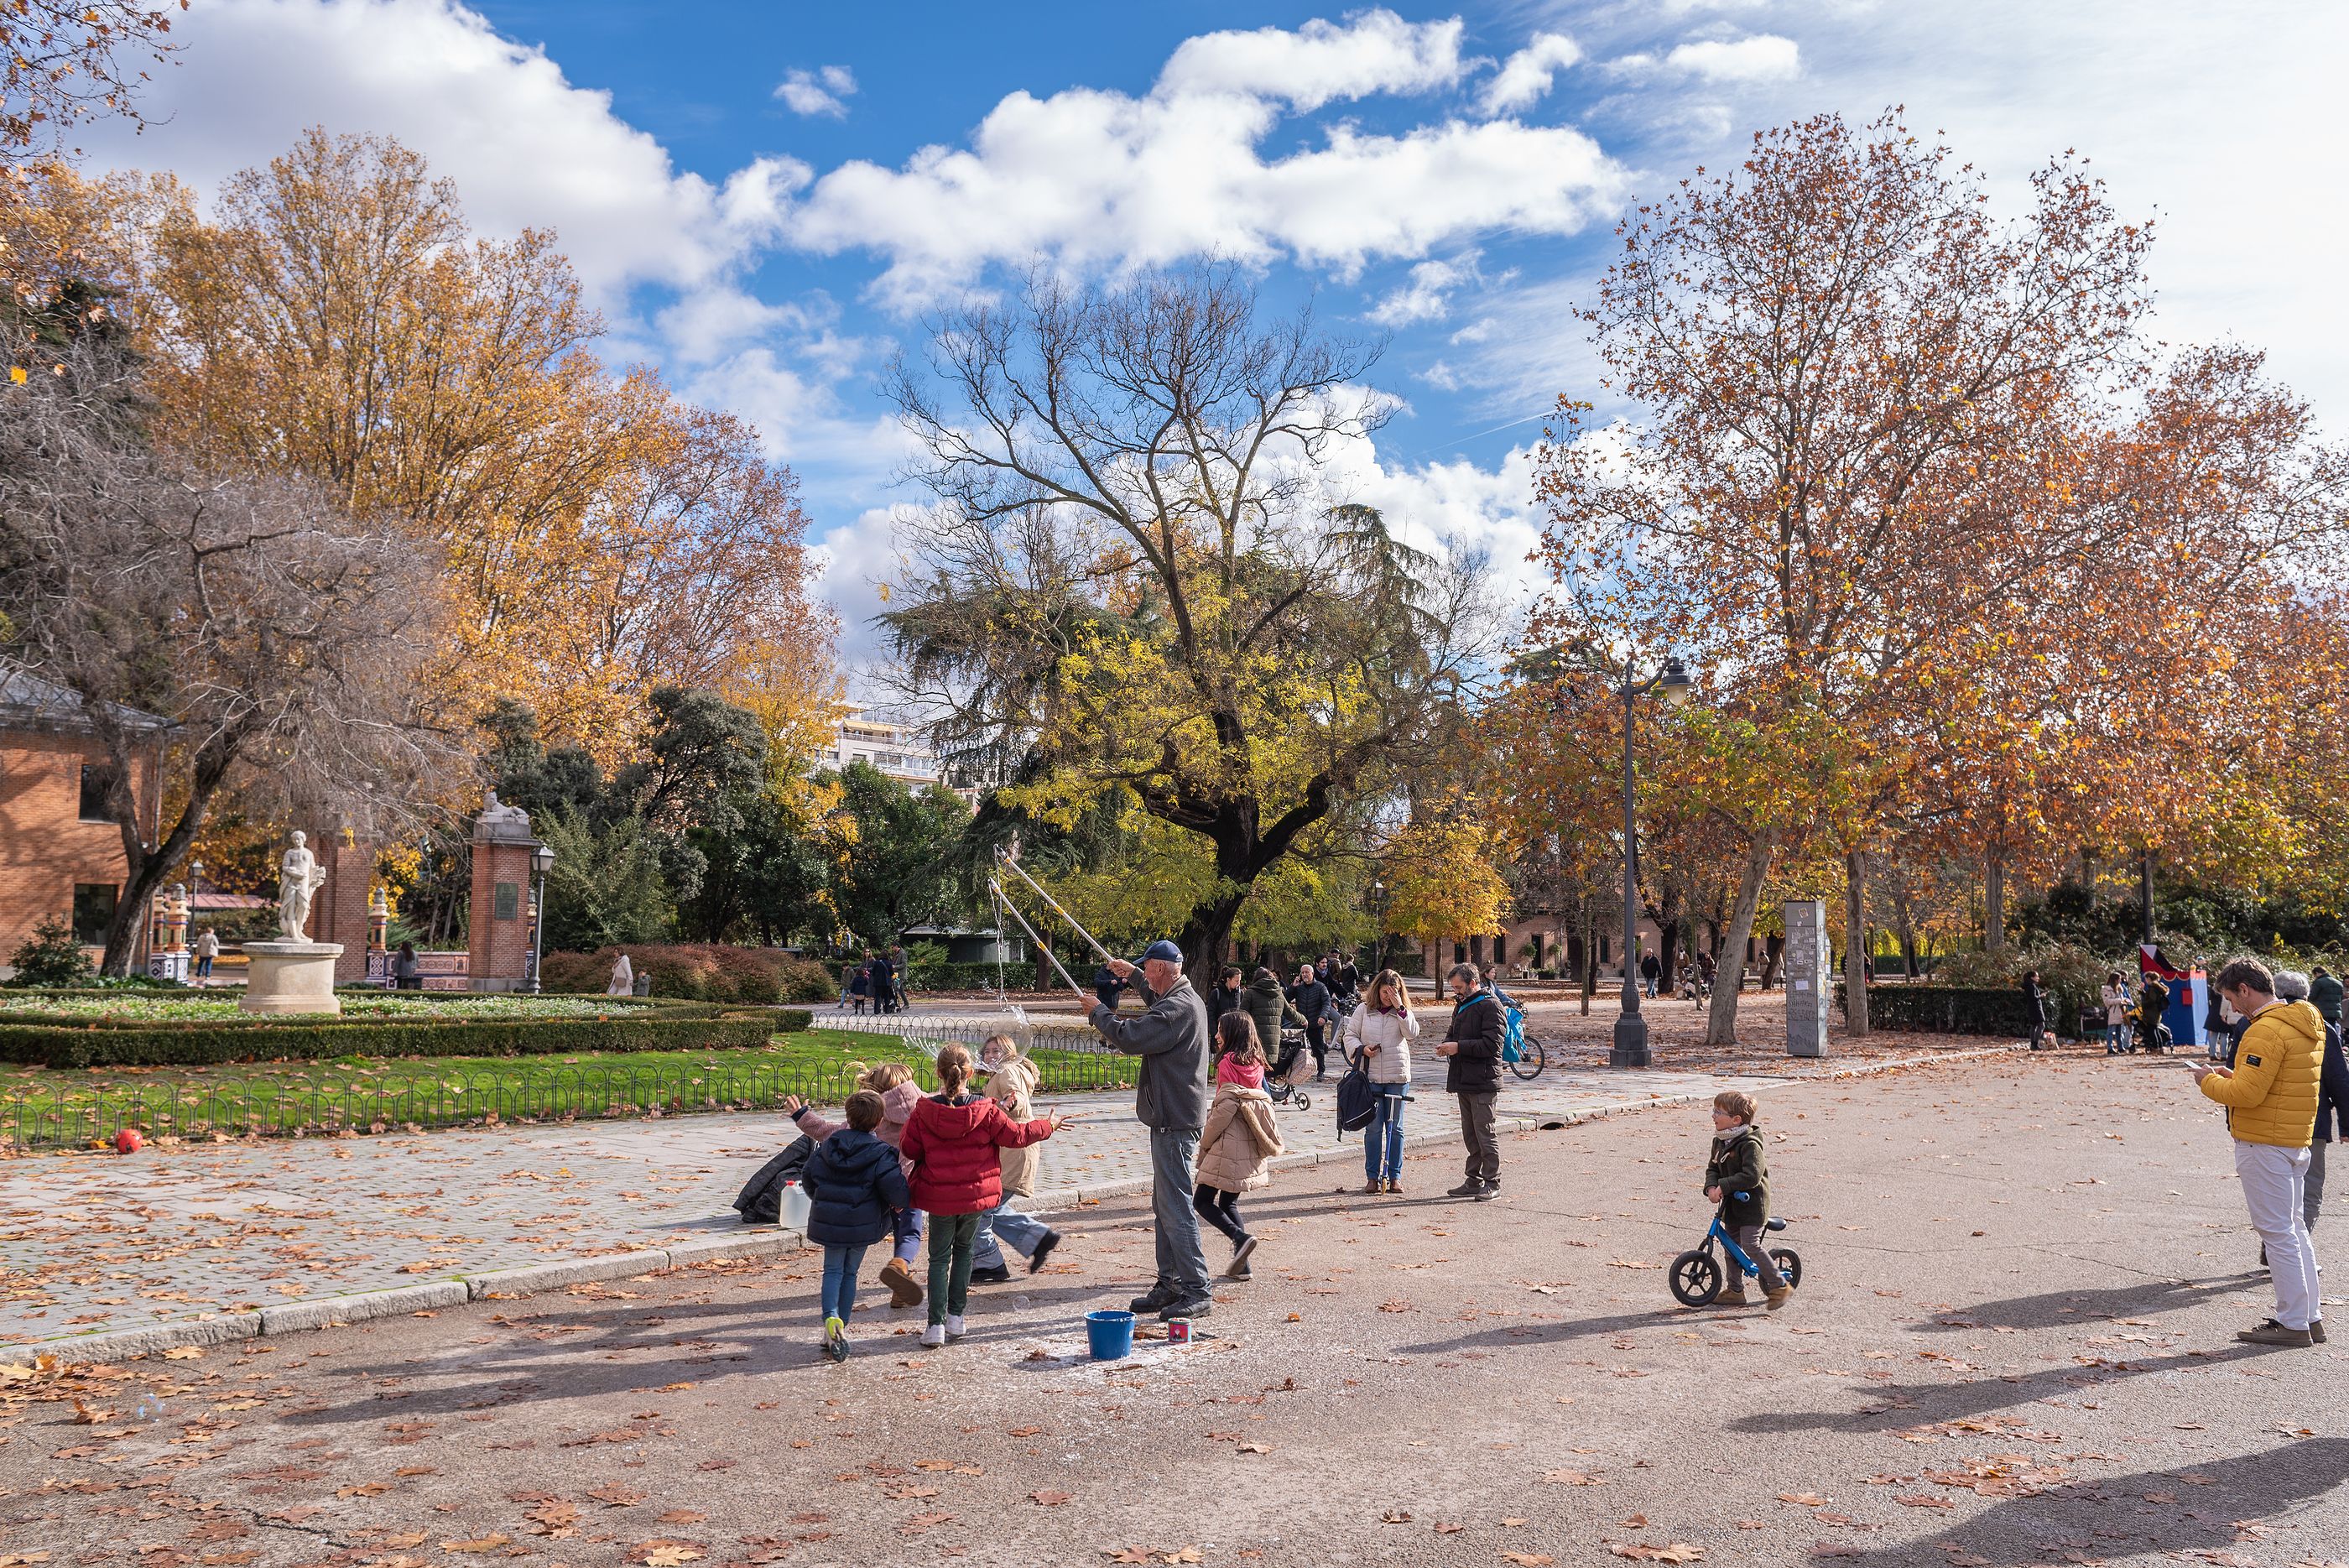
(489, 1543)
(1677, 1552)
(1528, 1559)
(1802, 1499)
(1049, 1498)
(1395, 1516)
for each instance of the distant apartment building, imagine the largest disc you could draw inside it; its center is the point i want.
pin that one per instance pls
(897, 749)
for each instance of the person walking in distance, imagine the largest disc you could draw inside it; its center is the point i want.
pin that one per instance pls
(1472, 1047)
(1170, 1098)
(1651, 969)
(2035, 1000)
(207, 950)
(2271, 1093)
(1311, 998)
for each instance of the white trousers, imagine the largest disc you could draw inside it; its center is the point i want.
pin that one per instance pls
(2274, 1188)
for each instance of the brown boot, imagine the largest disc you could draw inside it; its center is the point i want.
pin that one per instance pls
(1777, 1298)
(2271, 1332)
(904, 1291)
(1733, 1295)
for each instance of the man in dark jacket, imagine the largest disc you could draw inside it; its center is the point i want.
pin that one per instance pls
(1311, 998)
(885, 983)
(1107, 986)
(1170, 1098)
(2035, 1002)
(1472, 1046)
(2324, 993)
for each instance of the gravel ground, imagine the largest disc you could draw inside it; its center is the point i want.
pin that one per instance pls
(2014, 1345)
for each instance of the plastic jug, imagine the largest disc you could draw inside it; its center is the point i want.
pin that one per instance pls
(794, 1215)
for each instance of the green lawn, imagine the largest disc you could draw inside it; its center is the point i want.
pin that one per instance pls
(42, 1108)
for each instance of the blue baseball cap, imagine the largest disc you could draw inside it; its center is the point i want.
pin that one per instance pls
(1163, 951)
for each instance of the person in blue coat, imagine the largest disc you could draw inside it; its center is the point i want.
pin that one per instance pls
(854, 1184)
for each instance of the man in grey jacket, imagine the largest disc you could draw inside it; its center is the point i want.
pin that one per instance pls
(1170, 1098)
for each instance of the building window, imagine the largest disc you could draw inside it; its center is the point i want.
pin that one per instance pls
(93, 911)
(96, 778)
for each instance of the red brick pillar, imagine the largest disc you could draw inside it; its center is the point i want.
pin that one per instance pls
(498, 948)
(339, 912)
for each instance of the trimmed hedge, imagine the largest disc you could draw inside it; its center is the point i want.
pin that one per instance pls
(1960, 1010)
(695, 971)
(95, 1044)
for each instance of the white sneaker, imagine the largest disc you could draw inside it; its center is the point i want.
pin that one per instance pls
(934, 1336)
(954, 1325)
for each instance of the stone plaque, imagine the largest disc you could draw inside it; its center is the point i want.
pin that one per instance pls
(1810, 989)
(509, 901)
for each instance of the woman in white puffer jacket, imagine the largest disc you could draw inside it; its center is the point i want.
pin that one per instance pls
(1378, 1035)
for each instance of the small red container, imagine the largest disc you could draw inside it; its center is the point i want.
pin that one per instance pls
(1178, 1331)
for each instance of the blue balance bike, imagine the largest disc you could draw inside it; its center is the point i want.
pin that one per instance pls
(1697, 1275)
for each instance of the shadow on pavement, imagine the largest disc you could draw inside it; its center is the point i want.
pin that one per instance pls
(1916, 1404)
(2056, 1308)
(2081, 1519)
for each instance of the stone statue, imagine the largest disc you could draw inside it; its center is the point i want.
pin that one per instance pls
(299, 877)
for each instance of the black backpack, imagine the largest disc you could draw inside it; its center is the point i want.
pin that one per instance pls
(1357, 1101)
(761, 1201)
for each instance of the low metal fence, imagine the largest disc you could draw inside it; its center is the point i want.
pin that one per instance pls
(66, 1117)
(969, 1030)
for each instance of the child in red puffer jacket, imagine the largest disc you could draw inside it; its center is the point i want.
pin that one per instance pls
(950, 1141)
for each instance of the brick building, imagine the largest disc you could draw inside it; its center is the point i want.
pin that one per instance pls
(60, 854)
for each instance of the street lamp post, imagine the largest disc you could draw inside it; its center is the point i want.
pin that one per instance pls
(1630, 1048)
(542, 861)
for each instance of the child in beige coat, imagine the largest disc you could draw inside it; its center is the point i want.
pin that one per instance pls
(1237, 1143)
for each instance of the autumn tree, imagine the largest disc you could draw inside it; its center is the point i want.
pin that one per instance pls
(277, 635)
(333, 317)
(1139, 575)
(1444, 879)
(1849, 377)
(66, 62)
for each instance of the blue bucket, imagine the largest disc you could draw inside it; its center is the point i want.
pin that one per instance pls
(1112, 1334)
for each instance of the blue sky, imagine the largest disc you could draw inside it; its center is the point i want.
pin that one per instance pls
(763, 198)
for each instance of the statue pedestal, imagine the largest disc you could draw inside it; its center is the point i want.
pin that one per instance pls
(291, 977)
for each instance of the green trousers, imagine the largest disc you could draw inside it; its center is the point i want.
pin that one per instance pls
(952, 1238)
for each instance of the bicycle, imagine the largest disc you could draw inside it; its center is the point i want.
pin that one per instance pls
(1520, 1052)
(1697, 1275)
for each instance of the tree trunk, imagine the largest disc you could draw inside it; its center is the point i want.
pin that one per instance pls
(1774, 957)
(1995, 903)
(1854, 944)
(1668, 953)
(1590, 956)
(1721, 1022)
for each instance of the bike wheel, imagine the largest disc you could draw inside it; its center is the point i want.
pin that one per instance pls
(1695, 1277)
(1790, 1263)
(1304, 1102)
(1530, 1059)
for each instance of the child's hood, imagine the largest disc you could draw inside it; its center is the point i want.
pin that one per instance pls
(845, 1153)
(897, 1104)
(953, 1124)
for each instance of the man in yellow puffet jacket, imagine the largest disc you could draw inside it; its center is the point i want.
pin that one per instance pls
(2270, 1093)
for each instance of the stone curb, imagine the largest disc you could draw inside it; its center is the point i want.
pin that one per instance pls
(534, 1278)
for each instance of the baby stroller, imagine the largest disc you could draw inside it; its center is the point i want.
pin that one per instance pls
(1276, 1080)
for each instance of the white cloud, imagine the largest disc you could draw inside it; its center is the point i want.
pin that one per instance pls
(1764, 57)
(1427, 296)
(1101, 180)
(1526, 76)
(1374, 52)
(525, 147)
(824, 91)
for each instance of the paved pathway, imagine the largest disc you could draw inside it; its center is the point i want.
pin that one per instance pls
(98, 1244)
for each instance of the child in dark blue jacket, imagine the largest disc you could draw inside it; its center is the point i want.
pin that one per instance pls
(854, 1184)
